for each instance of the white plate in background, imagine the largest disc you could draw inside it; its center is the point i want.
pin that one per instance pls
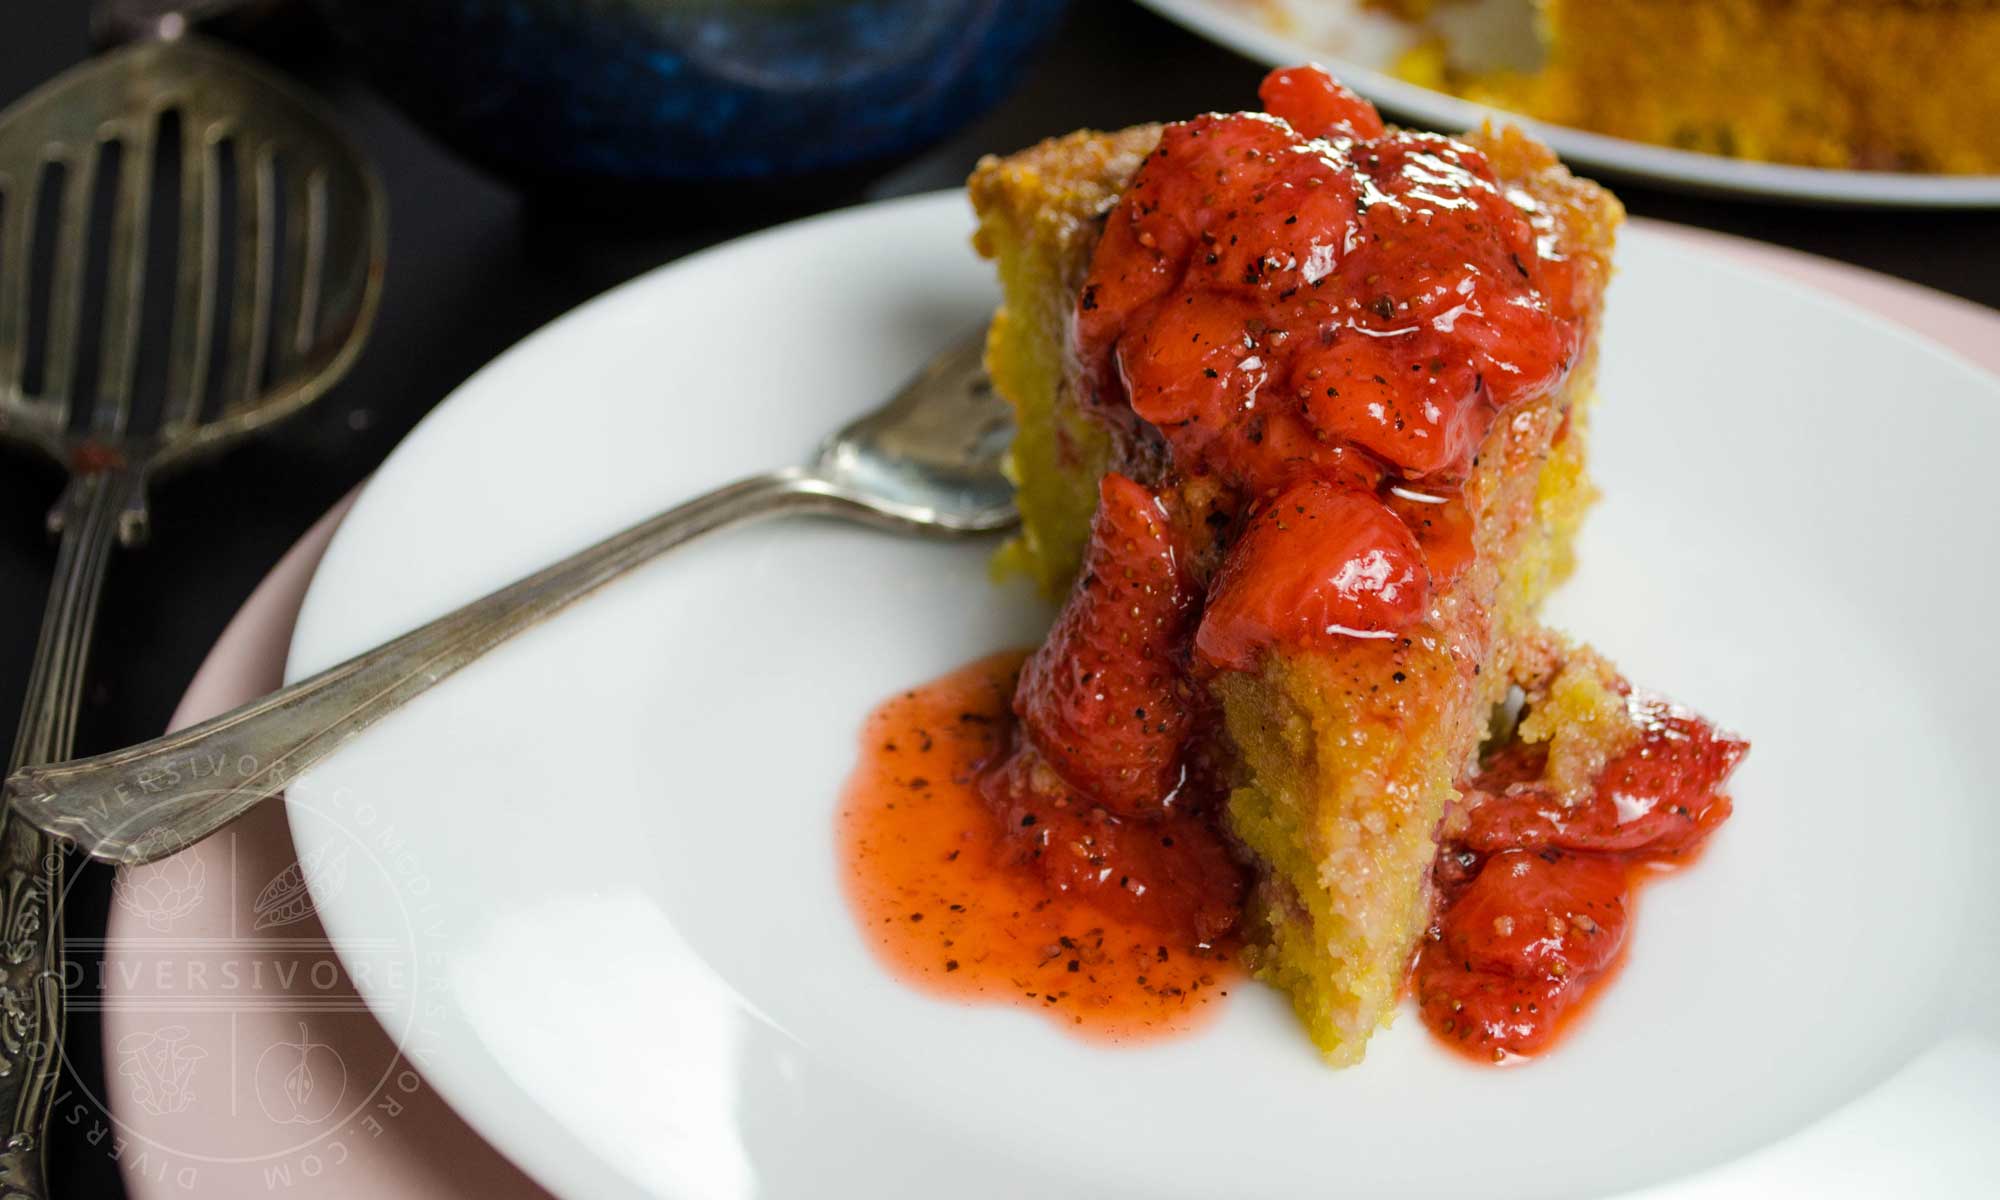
(1361, 48)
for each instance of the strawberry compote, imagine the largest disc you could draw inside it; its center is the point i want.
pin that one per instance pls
(1299, 326)
(1535, 890)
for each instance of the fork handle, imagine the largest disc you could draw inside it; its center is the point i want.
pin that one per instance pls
(31, 863)
(142, 803)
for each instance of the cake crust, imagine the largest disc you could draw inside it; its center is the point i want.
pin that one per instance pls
(1040, 213)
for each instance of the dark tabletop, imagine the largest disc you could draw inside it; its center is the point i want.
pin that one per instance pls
(475, 265)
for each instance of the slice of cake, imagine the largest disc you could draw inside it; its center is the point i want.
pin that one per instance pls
(1303, 397)
(1901, 85)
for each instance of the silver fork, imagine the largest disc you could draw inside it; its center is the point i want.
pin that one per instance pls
(928, 461)
(277, 232)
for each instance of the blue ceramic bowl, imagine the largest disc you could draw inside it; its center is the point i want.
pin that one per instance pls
(686, 90)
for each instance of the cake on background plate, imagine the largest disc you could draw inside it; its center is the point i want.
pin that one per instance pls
(1889, 85)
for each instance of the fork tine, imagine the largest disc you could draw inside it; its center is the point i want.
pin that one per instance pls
(125, 280)
(195, 283)
(66, 291)
(249, 328)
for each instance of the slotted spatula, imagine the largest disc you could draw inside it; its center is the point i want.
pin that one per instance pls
(189, 251)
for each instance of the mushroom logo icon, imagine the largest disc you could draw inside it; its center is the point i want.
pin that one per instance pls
(161, 1066)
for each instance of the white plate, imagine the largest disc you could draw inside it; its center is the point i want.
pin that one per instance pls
(1361, 48)
(604, 908)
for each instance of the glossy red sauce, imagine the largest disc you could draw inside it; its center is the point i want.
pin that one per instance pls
(1534, 895)
(965, 900)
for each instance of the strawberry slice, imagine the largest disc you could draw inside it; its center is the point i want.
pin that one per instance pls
(1662, 795)
(1317, 105)
(1424, 414)
(1103, 699)
(1319, 564)
(1195, 362)
(1314, 103)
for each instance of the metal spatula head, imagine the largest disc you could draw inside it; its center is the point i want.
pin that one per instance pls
(188, 252)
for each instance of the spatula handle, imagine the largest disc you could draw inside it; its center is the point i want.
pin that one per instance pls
(31, 862)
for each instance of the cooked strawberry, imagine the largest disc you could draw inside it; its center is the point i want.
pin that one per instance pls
(1661, 795)
(1195, 361)
(1537, 914)
(1103, 698)
(1172, 872)
(1315, 104)
(1319, 564)
(1422, 414)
